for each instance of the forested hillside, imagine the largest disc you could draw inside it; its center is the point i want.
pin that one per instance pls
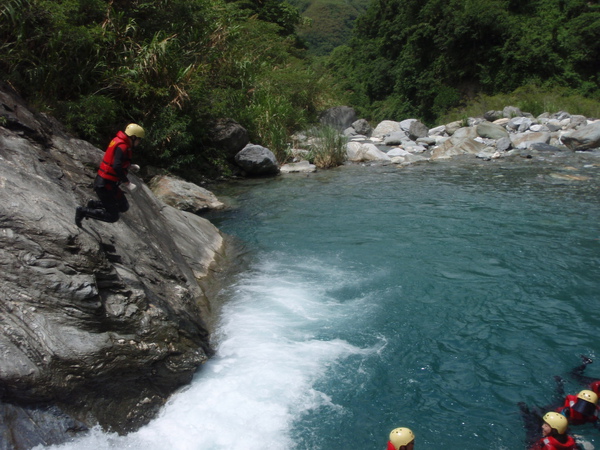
(421, 57)
(329, 22)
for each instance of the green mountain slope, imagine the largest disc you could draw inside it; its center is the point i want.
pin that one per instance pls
(330, 22)
(423, 57)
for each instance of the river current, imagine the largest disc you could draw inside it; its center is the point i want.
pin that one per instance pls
(435, 297)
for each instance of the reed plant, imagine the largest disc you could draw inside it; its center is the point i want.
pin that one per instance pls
(327, 148)
(270, 119)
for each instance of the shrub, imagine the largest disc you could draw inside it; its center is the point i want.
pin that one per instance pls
(268, 118)
(532, 99)
(91, 116)
(327, 148)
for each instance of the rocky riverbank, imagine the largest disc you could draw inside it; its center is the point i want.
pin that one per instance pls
(100, 324)
(505, 136)
(498, 134)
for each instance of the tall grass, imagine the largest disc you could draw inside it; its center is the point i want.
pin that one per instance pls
(327, 148)
(271, 119)
(532, 99)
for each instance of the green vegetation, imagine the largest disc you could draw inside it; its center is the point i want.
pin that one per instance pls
(420, 58)
(328, 23)
(531, 99)
(172, 65)
(327, 148)
(175, 66)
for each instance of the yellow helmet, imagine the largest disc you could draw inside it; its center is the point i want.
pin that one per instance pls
(401, 436)
(588, 396)
(133, 129)
(556, 421)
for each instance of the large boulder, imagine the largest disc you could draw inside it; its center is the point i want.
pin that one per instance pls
(525, 140)
(585, 138)
(492, 115)
(519, 124)
(503, 144)
(25, 427)
(338, 117)
(229, 136)
(184, 195)
(464, 133)
(406, 123)
(352, 151)
(437, 131)
(350, 132)
(357, 152)
(457, 145)
(417, 130)
(101, 323)
(491, 130)
(452, 127)
(577, 121)
(386, 127)
(372, 153)
(395, 138)
(256, 160)
(362, 127)
(511, 111)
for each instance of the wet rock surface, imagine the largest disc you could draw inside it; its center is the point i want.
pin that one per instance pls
(100, 324)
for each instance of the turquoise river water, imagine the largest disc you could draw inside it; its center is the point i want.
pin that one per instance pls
(435, 297)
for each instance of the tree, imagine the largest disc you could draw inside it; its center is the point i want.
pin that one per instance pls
(421, 57)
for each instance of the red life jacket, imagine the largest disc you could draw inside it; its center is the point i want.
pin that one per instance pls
(595, 386)
(575, 417)
(106, 169)
(550, 443)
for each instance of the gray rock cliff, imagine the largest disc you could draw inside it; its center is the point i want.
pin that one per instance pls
(98, 324)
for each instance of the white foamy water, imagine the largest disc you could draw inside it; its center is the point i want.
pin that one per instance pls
(270, 354)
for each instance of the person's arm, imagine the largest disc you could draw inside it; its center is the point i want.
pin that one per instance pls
(560, 386)
(118, 165)
(577, 372)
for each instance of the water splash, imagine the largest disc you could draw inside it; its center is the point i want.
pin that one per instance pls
(271, 351)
